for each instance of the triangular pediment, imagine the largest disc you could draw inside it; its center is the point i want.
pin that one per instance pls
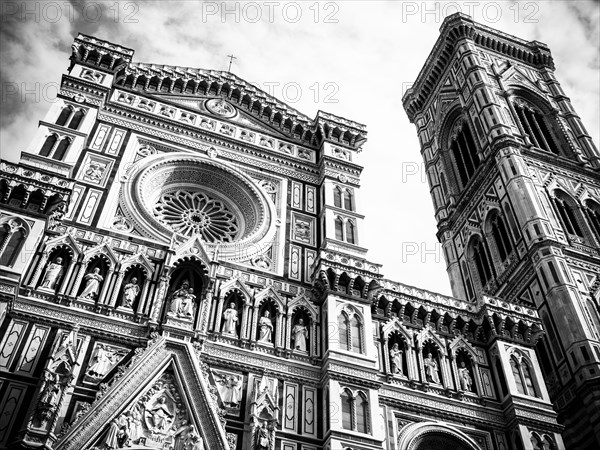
(164, 392)
(103, 250)
(426, 334)
(395, 325)
(192, 248)
(460, 342)
(243, 119)
(138, 259)
(65, 239)
(235, 284)
(269, 292)
(515, 76)
(302, 301)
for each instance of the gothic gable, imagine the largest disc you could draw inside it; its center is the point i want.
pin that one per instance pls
(161, 398)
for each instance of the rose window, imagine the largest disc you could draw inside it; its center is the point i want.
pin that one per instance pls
(191, 196)
(191, 213)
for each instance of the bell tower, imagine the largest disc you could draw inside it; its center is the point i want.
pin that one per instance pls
(514, 177)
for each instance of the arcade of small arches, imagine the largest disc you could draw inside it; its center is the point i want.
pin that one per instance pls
(152, 80)
(421, 344)
(30, 197)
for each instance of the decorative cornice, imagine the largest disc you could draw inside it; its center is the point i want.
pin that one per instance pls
(455, 28)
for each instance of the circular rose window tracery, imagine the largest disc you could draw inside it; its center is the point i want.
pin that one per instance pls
(191, 213)
(189, 195)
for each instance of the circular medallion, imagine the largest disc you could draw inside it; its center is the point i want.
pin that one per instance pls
(220, 107)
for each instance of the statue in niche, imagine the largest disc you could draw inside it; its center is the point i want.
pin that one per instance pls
(187, 304)
(92, 284)
(396, 359)
(130, 292)
(231, 318)
(232, 390)
(466, 382)
(300, 335)
(159, 417)
(51, 392)
(64, 356)
(262, 437)
(103, 360)
(182, 303)
(54, 272)
(266, 328)
(431, 369)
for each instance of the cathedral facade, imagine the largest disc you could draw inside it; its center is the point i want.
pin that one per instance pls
(182, 265)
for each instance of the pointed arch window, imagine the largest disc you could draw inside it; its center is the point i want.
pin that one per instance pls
(351, 332)
(49, 145)
(356, 330)
(568, 214)
(64, 115)
(13, 233)
(76, 120)
(350, 232)
(339, 229)
(362, 413)
(61, 149)
(348, 200)
(347, 403)
(345, 230)
(537, 125)
(592, 213)
(514, 365)
(337, 197)
(479, 257)
(521, 371)
(497, 229)
(54, 147)
(464, 151)
(355, 411)
(344, 331)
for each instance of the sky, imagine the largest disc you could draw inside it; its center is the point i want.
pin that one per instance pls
(354, 59)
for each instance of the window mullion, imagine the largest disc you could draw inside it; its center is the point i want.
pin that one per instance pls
(526, 125)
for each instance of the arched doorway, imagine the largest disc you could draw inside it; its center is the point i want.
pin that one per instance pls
(434, 436)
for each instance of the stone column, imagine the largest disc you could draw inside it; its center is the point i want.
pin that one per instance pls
(313, 339)
(254, 316)
(219, 316)
(420, 365)
(279, 329)
(387, 367)
(159, 299)
(4, 243)
(143, 297)
(118, 283)
(79, 278)
(287, 337)
(245, 319)
(67, 278)
(105, 285)
(38, 271)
